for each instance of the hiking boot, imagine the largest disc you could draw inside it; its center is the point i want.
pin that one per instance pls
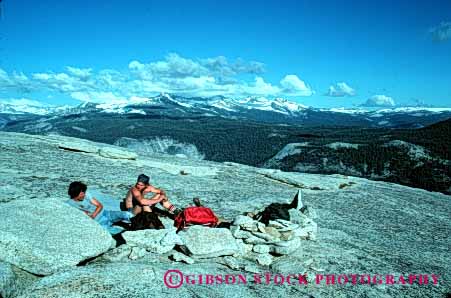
(177, 211)
(197, 202)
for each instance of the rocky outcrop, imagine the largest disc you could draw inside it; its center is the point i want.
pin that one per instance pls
(205, 242)
(48, 236)
(264, 244)
(85, 146)
(355, 228)
(115, 153)
(158, 241)
(134, 281)
(7, 280)
(14, 281)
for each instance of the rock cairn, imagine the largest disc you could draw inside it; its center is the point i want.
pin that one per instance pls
(247, 245)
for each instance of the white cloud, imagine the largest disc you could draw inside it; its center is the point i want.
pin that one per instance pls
(263, 88)
(3, 75)
(173, 66)
(18, 81)
(340, 90)
(81, 73)
(379, 101)
(295, 86)
(97, 97)
(441, 32)
(190, 83)
(24, 102)
(224, 71)
(61, 82)
(173, 74)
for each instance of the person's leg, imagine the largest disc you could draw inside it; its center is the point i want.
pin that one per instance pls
(137, 209)
(169, 206)
(197, 202)
(115, 216)
(105, 221)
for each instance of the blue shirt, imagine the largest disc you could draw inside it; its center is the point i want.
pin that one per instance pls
(86, 205)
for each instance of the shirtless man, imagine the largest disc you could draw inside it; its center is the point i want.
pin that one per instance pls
(136, 203)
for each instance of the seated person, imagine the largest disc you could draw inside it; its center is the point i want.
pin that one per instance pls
(81, 199)
(135, 201)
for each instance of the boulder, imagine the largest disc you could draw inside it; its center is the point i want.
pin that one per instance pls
(264, 236)
(264, 259)
(275, 224)
(13, 280)
(234, 229)
(286, 247)
(137, 253)
(78, 146)
(232, 262)
(261, 227)
(132, 280)
(273, 232)
(308, 232)
(157, 241)
(261, 249)
(251, 227)
(254, 240)
(240, 234)
(289, 228)
(285, 223)
(298, 217)
(115, 153)
(242, 220)
(46, 236)
(243, 247)
(312, 230)
(7, 280)
(179, 257)
(205, 242)
(118, 254)
(288, 235)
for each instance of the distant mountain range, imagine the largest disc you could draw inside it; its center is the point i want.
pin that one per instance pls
(277, 110)
(404, 145)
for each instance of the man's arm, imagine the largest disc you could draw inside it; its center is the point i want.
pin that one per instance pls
(99, 208)
(153, 189)
(147, 202)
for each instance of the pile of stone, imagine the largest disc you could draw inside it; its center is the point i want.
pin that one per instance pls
(247, 239)
(280, 237)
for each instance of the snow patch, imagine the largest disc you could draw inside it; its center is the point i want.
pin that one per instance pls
(414, 151)
(80, 129)
(135, 111)
(338, 145)
(345, 110)
(290, 149)
(164, 145)
(39, 127)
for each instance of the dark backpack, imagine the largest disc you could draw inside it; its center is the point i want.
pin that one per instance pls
(146, 220)
(195, 216)
(277, 211)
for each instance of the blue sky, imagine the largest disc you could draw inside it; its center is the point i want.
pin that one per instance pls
(318, 53)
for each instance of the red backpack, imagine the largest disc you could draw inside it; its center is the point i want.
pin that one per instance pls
(195, 216)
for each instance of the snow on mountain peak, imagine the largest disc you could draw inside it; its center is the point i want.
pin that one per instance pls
(25, 106)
